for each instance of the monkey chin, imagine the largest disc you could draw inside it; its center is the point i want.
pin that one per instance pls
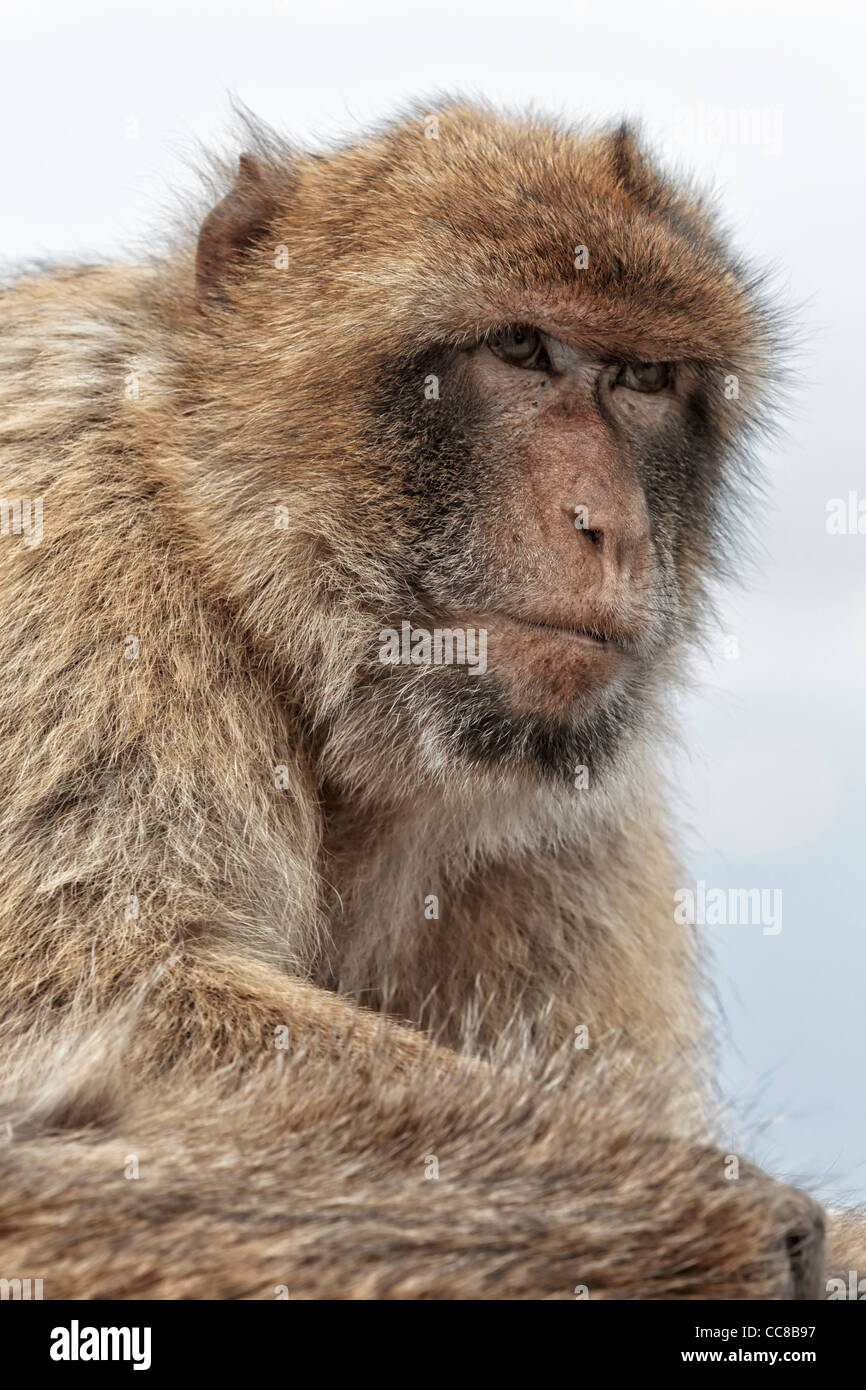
(548, 670)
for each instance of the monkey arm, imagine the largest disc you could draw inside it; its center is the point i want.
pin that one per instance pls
(362, 1162)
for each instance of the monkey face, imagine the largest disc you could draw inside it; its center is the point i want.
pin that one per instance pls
(577, 593)
(558, 497)
(522, 367)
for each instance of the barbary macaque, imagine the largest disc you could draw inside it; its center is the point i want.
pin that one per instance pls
(338, 950)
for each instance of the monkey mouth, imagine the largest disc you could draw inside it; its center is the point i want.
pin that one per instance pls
(548, 666)
(589, 635)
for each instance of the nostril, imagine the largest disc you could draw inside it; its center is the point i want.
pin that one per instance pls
(594, 536)
(804, 1245)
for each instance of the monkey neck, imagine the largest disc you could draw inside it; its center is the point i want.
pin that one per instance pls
(450, 909)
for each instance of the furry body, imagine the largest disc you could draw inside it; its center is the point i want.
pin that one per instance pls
(216, 854)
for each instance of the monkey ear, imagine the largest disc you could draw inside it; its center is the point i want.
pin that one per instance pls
(231, 228)
(629, 162)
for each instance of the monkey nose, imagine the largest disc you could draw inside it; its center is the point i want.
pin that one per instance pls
(622, 549)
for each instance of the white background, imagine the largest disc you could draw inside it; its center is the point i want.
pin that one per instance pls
(98, 102)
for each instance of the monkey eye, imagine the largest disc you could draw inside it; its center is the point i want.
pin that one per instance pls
(644, 376)
(520, 345)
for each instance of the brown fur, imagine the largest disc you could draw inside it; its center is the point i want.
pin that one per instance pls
(153, 1033)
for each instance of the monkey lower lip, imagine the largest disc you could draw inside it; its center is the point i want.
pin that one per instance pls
(546, 667)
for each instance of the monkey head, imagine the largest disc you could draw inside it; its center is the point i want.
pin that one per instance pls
(502, 383)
